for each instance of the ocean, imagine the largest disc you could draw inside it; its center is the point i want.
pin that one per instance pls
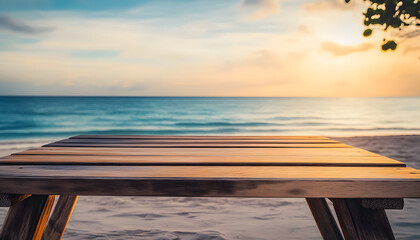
(32, 121)
(58, 117)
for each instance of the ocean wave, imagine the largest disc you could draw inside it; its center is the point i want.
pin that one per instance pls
(28, 124)
(11, 146)
(221, 124)
(50, 112)
(296, 118)
(23, 141)
(58, 117)
(16, 135)
(199, 129)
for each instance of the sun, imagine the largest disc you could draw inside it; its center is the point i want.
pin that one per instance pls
(346, 30)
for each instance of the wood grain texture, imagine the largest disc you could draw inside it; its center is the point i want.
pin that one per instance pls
(199, 160)
(203, 142)
(324, 219)
(361, 223)
(7, 200)
(200, 151)
(196, 145)
(273, 181)
(233, 166)
(60, 217)
(214, 188)
(200, 141)
(27, 219)
(214, 172)
(382, 203)
(174, 137)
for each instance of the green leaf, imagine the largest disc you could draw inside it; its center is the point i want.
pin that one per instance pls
(390, 45)
(390, 14)
(367, 32)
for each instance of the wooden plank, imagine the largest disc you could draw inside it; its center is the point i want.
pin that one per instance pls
(174, 137)
(7, 200)
(362, 223)
(215, 172)
(27, 219)
(197, 145)
(200, 160)
(339, 152)
(198, 142)
(212, 181)
(324, 219)
(60, 217)
(206, 141)
(382, 203)
(281, 188)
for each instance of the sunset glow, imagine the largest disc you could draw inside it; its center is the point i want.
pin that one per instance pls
(200, 48)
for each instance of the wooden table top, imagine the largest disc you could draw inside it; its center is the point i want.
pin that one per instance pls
(206, 166)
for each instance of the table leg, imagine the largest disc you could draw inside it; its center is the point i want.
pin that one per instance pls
(60, 217)
(324, 219)
(27, 219)
(7, 200)
(362, 223)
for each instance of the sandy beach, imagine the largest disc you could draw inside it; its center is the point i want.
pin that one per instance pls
(229, 218)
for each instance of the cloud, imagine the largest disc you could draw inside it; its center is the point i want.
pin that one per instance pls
(16, 25)
(412, 48)
(108, 54)
(411, 34)
(258, 59)
(303, 28)
(264, 8)
(341, 50)
(409, 44)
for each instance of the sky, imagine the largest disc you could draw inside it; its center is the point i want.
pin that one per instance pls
(268, 48)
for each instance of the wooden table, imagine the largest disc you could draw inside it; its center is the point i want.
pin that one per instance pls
(360, 184)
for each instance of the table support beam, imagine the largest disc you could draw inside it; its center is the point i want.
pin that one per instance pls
(27, 219)
(382, 203)
(7, 200)
(324, 219)
(359, 223)
(60, 217)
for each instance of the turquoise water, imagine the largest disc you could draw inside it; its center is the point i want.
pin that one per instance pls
(57, 117)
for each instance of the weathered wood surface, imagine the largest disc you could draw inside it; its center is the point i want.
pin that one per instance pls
(201, 141)
(60, 217)
(196, 142)
(324, 219)
(27, 219)
(172, 137)
(210, 151)
(207, 166)
(7, 200)
(382, 203)
(250, 181)
(312, 167)
(197, 145)
(360, 223)
(397, 174)
(290, 151)
(197, 160)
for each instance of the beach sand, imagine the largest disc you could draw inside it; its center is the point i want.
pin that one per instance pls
(229, 218)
